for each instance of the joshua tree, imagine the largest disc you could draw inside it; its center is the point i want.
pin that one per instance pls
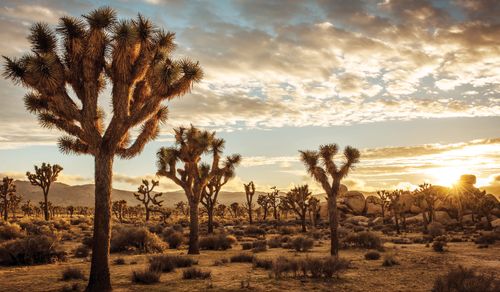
(191, 145)
(314, 209)
(234, 209)
(134, 58)
(274, 201)
(263, 201)
(146, 197)
(7, 190)
(484, 205)
(71, 210)
(297, 200)
(221, 176)
(27, 208)
(119, 208)
(249, 193)
(43, 177)
(14, 201)
(220, 210)
(383, 201)
(182, 208)
(325, 155)
(395, 206)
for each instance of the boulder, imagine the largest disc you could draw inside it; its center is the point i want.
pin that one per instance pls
(378, 221)
(443, 217)
(495, 223)
(407, 200)
(415, 219)
(355, 201)
(358, 220)
(373, 206)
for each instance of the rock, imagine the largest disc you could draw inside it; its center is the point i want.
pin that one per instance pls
(495, 223)
(355, 201)
(358, 220)
(415, 219)
(468, 179)
(443, 217)
(373, 206)
(378, 221)
(407, 200)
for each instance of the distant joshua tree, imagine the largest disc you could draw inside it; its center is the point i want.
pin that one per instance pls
(274, 201)
(119, 209)
(7, 190)
(264, 203)
(191, 145)
(27, 208)
(331, 171)
(71, 210)
(396, 206)
(297, 200)
(146, 197)
(134, 58)
(43, 177)
(14, 201)
(249, 193)
(182, 208)
(235, 208)
(314, 210)
(221, 176)
(220, 210)
(383, 201)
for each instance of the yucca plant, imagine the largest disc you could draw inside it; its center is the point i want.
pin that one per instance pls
(191, 145)
(249, 193)
(321, 166)
(146, 197)
(134, 58)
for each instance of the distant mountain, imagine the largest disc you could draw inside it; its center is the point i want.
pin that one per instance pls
(83, 195)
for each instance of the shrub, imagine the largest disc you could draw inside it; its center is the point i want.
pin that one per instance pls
(71, 288)
(168, 263)
(82, 251)
(61, 224)
(308, 267)
(146, 276)
(72, 274)
(390, 260)
(464, 279)
(194, 273)
(37, 249)
(439, 243)
(286, 230)
(246, 245)
(221, 262)
(263, 263)
(10, 231)
(485, 238)
(363, 239)
(259, 245)
(301, 243)
(119, 261)
(88, 241)
(174, 240)
(242, 258)
(254, 231)
(215, 242)
(274, 242)
(435, 229)
(372, 255)
(138, 238)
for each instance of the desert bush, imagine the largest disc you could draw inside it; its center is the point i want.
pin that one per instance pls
(242, 258)
(363, 239)
(439, 243)
(390, 260)
(308, 267)
(61, 224)
(36, 249)
(263, 263)
(174, 239)
(316, 234)
(88, 241)
(485, 238)
(435, 229)
(254, 231)
(194, 273)
(146, 276)
(466, 280)
(221, 262)
(259, 245)
(301, 243)
(72, 273)
(215, 242)
(287, 230)
(38, 227)
(246, 245)
(71, 288)
(10, 231)
(372, 255)
(119, 261)
(274, 242)
(82, 251)
(168, 263)
(135, 238)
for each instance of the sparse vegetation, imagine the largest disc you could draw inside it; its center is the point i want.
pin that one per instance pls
(363, 239)
(215, 242)
(372, 255)
(135, 238)
(242, 258)
(194, 273)
(146, 276)
(301, 243)
(72, 274)
(465, 279)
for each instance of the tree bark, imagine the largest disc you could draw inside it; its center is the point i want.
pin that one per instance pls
(5, 210)
(210, 213)
(46, 207)
(99, 279)
(334, 223)
(147, 213)
(194, 247)
(250, 215)
(303, 219)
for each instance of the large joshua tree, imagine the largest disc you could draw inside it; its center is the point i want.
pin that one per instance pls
(191, 145)
(43, 177)
(224, 173)
(134, 58)
(321, 166)
(7, 190)
(249, 193)
(297, 200)
(146, 196)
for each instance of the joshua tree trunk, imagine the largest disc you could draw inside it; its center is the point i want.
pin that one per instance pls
(147, 213)
(99, 279)
(383, 213)
(46, 206)
(194, 247)
(5, 210)
(265, 215)
(250, 215)
(210, 220)
(334, 223)
(396, 219)
(303, 220)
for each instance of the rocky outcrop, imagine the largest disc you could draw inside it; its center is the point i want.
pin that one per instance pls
(354, 202)
(373, 207)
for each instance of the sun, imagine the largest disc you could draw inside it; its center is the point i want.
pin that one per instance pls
(446, 176)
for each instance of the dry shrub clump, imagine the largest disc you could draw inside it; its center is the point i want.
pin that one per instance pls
(146, 276)
(301, 243)
(71, 273)
(439, 243)
(10, 231)
(266, 264)
(194, 273)
(390, 260)
(372, 255)
(168, 263)
(242, 258)
(259, 245)
(464, 279)
(435, 229)
(363, 239)
(135, 238)
(309, 267)
(279, 241)
(37, 249)
(216, 242)
(254, 231)
(82, 251)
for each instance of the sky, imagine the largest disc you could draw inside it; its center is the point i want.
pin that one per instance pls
(415, 85)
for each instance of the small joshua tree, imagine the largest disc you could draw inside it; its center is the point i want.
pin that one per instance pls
(14, 201)
(146, 197)
(331, 171)
(7, 189)
(190, 146)
(297, 200)
(221, 176)
(314, 209)
(119, 208)
(220, 210)
(182, 208)
(43, 177)
(383, 201)
(71, 210)
(234, 209)
(249, 193)
(274, 201)
(264, 203)
(395, 206)
(27, 208)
